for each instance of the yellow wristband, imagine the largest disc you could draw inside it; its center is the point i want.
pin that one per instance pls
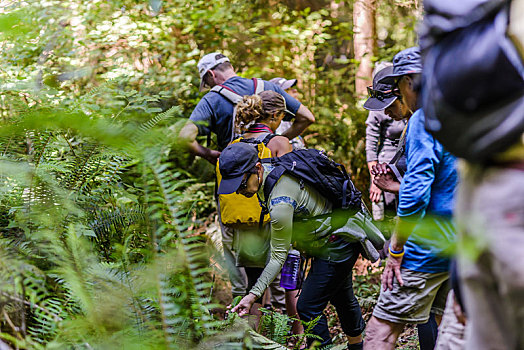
(396, 254)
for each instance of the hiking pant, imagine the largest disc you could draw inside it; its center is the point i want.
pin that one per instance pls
(451, 331)
(490, 217)
(331, 282)
(237, 275)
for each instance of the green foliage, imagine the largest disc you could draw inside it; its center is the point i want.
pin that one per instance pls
(275, 326)
(100, 207)
(367, 287)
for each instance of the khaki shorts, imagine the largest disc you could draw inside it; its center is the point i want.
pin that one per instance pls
(421, 294)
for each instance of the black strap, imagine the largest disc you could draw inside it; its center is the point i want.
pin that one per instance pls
(272, 179)
(401, 149)
(263, 212)
(344, 194)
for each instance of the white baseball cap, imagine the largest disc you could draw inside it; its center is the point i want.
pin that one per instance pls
(209, 61)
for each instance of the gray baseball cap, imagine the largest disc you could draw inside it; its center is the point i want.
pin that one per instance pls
(284, 83)
(209, 61)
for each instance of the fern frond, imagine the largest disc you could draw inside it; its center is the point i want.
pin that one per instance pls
(151, 123)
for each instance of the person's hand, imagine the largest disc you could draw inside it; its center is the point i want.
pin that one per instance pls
(392, 270)
(244, 305)
(387, 183)
(380, 169)
(212, 156)
(374, 193)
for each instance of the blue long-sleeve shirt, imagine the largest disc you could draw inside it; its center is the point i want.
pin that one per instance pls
(426, 197)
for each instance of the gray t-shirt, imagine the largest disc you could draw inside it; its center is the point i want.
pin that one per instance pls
(382, 136)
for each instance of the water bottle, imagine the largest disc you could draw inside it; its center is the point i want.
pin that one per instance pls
(290, 270)
(378, 210)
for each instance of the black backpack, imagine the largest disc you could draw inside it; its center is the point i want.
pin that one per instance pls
(473, 84)
(313, 167)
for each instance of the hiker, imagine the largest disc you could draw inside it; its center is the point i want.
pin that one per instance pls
(257, 118)
(214, 114)
(291, 198)
(382, 138)
(415, 279)
(387, 176)
(475, 107)
(289, 86)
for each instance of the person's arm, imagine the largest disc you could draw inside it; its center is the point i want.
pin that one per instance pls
(303, 119)
(202, 114)
(399, 238)
(303, 116)
(279, 145)
(281, 231)
(188, 135)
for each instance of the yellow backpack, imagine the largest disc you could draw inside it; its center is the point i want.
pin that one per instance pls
(236, 209)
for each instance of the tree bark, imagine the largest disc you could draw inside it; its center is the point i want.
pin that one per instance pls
(364, 42)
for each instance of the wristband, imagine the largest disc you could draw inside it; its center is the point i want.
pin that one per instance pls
(395, 254)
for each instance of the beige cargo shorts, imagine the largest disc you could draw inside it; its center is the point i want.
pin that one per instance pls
(421, 294)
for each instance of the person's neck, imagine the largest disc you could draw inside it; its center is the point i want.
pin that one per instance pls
(259, 127)
(225, 77)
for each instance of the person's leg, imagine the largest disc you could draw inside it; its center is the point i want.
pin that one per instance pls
(347, 306)
(382, 334)
(490, 214)
(291, 310)
(237, 275)
(409, 303)
(317, 290)
(253, 273)
(278, 295)
(451, 331)
(427, 333)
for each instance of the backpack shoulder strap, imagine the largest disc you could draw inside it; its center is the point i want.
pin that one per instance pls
(268, 138)
(259, 85)
(228, 93)
(272, 178)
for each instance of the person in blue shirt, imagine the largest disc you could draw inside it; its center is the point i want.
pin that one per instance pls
(415, 279)
(214, 114)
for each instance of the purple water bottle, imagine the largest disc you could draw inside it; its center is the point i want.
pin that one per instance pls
(289, 274)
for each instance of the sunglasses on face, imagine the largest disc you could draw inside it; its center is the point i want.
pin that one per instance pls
(382, 95)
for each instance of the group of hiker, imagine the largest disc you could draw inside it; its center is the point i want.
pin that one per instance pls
(281, 204)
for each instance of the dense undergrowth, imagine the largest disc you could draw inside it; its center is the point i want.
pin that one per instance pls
(101, 210)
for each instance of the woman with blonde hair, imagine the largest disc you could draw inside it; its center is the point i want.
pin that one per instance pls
(260, 115)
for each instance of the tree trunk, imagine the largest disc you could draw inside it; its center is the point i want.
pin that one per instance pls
(364, 41)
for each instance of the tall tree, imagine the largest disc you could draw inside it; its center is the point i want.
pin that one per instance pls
(364, 41)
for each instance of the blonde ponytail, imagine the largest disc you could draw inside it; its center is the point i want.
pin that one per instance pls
(256, 108)
(248, 112)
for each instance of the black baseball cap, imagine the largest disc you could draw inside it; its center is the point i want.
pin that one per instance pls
(381, 96)
(407, 61)
(236, 160)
